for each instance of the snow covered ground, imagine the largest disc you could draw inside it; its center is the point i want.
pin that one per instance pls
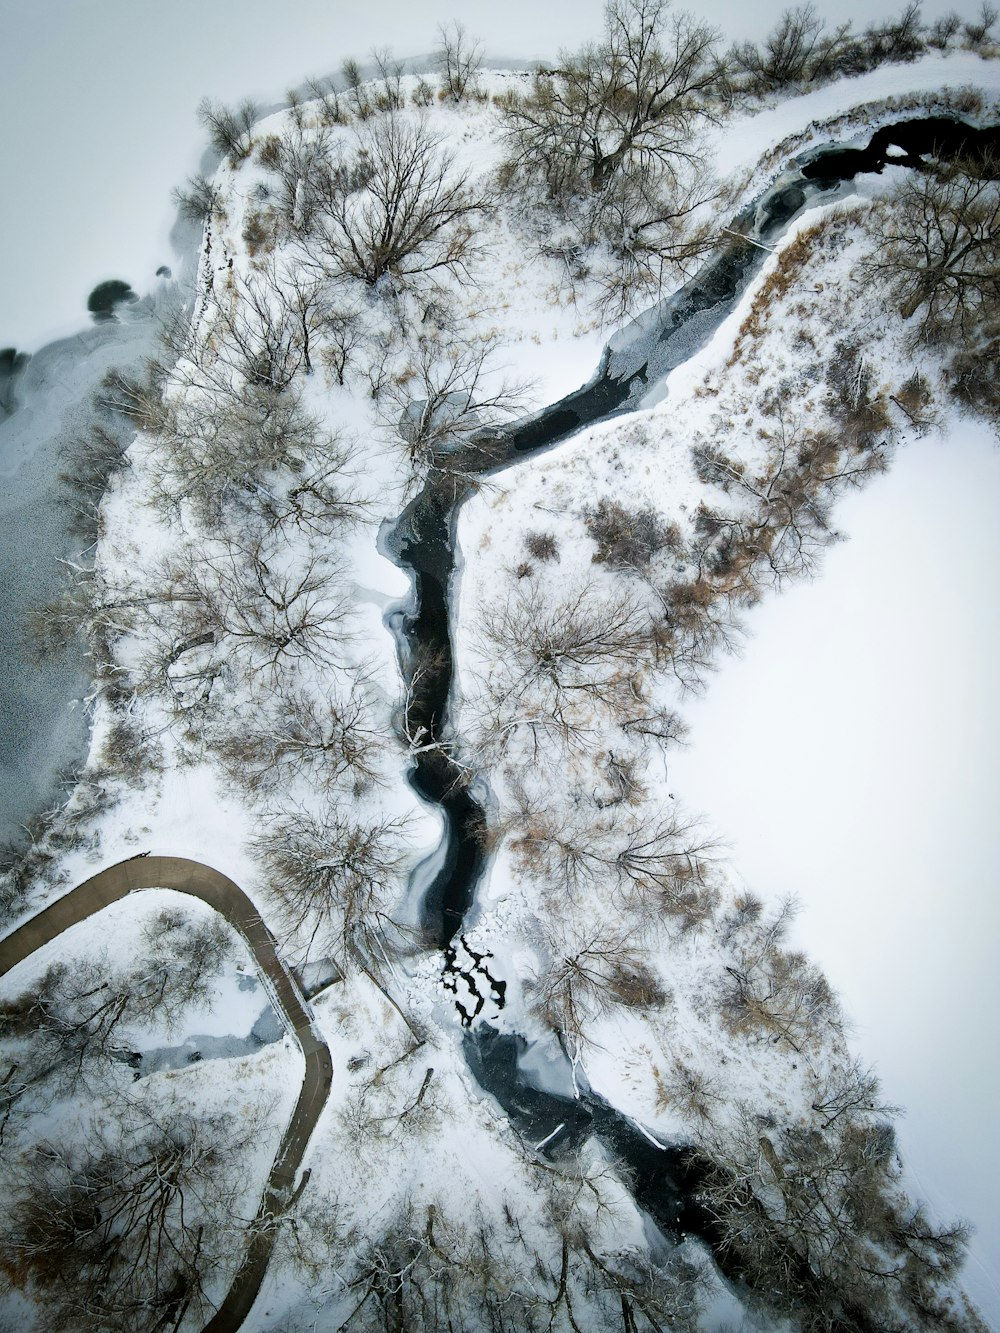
(849, 756)
(113, 89)
(192, 809)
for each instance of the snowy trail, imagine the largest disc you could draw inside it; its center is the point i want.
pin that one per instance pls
(228, 899)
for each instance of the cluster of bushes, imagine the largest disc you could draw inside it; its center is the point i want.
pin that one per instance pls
(802, 49)
(33, 857)
(457, 56)
(816, 1215)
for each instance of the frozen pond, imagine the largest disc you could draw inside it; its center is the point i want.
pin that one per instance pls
(43, 726)
(850, 757)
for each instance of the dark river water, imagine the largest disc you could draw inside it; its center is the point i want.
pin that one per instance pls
(422, 541)
(43, 724)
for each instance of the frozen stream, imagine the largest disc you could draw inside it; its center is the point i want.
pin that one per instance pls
(35, 737)
(423, 541)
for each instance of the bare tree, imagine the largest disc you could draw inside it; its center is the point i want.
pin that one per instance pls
(447, 400)
(627, 106)
(299, 160)
(122, 1232)
(226, 452)
(978, 32)
(305, 296)
(391, 98)
(770, 991)
(198, 199)
(818, 1219)
(937, 250)
(547, 663)
(943, 30)
(974, 373)
(397, 206)
(652, 865)
(587, 971)
(797, 50)
(343, 335)
(324, 93)
(139, 398)
(358, 93)
(331, 737)
(71, 1029)
(230, 129)
(848, 1090)
(791, 494)
(257, 334)
(89, 461)
(318, 498)
(689, 1091)
(268, 606)
(334, 879)
(628, 538)
(654, 235)
(898, 39)
(459, 58)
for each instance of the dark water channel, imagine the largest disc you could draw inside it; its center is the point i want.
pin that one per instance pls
(422, 541)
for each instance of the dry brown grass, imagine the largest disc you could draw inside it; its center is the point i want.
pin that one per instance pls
(822, 240)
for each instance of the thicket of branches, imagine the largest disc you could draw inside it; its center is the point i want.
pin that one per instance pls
(334, 878)
(557, 1263)
(120, 1232)
(72, 1029)
(611, 137)
(552, 662)
(816, 1216)
(802, 49)
(393, 206)
(459, 59)
(446, 400)
(331, 737)
(625, 106)
(937, 251)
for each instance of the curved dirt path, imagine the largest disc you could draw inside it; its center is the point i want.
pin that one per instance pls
(229, 900)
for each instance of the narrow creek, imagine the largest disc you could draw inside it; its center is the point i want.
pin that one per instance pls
(422, 541)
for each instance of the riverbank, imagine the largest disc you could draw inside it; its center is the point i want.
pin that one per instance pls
(254, 733)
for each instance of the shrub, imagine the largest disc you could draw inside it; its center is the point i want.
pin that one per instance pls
(541, 545)
(230, 129)
(258, 233)
(628, 540)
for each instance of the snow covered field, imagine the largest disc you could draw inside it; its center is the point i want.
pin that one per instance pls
(183, 802)
(88, 188)
(849, 756)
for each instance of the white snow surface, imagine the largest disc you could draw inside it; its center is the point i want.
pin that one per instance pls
(113, 89)
(849, 756)
(637, 460)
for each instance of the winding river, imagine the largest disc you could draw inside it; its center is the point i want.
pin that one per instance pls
(422, 542)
